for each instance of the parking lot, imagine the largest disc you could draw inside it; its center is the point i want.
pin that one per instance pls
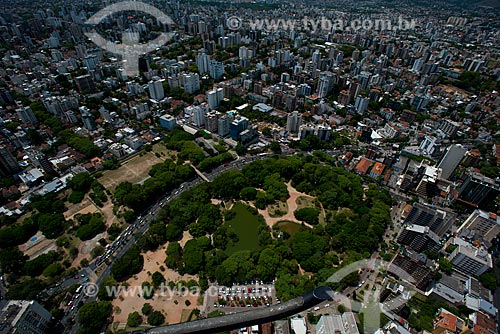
(239, 297)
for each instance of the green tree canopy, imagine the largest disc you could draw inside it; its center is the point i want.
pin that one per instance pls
(308, 215)
(51, 224)
(174, 258)
(193, 257)
(156, 318)
(26, 290)
(134, 319)
(129, 264)
(146, 309)
(81, 182)
(12, 260)
(157, 279)
(268, 264)
(489, 280)
(93, 316)
(248, 193)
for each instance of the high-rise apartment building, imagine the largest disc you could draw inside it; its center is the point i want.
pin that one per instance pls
(26, 115)
(156, 91)
(212, 120)
(478, 191)
(330, 324)
(85, 82)
(214, 97)
(224, 125)
(452, 158)
(191, 83)
(199, 113)
(216, 69)
(202, 62)
(419, 238)
(239, 124)
(480, 226)
(361, 104)
(469, 259)
(87, 118)
(8, 164)
(437, 219)
(293, 122)
(168, 122)
(325, 85)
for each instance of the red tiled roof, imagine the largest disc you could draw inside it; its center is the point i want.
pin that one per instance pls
(378, 168)
(447, 321)
(363, 165)
(484, 324)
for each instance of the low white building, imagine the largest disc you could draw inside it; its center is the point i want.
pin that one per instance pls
(299, 325)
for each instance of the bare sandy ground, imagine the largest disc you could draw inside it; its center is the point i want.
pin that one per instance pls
(215, 201)
(84, 249)
(185, 238)
(32, 244)
(32, 249)
(107, 211)
(292, 206)
(85, 206)
(170, 304)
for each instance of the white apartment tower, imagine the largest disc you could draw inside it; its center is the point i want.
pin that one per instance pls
(293, 122)
(214, 97)
(191, 83)
(156, 91)
(203, 62)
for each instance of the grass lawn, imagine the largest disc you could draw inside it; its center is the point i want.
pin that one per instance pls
(163, 151)
(278, 210)
(305, 202)
(185, 315)
(309, 202)
(245, 225)
(289, 227)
